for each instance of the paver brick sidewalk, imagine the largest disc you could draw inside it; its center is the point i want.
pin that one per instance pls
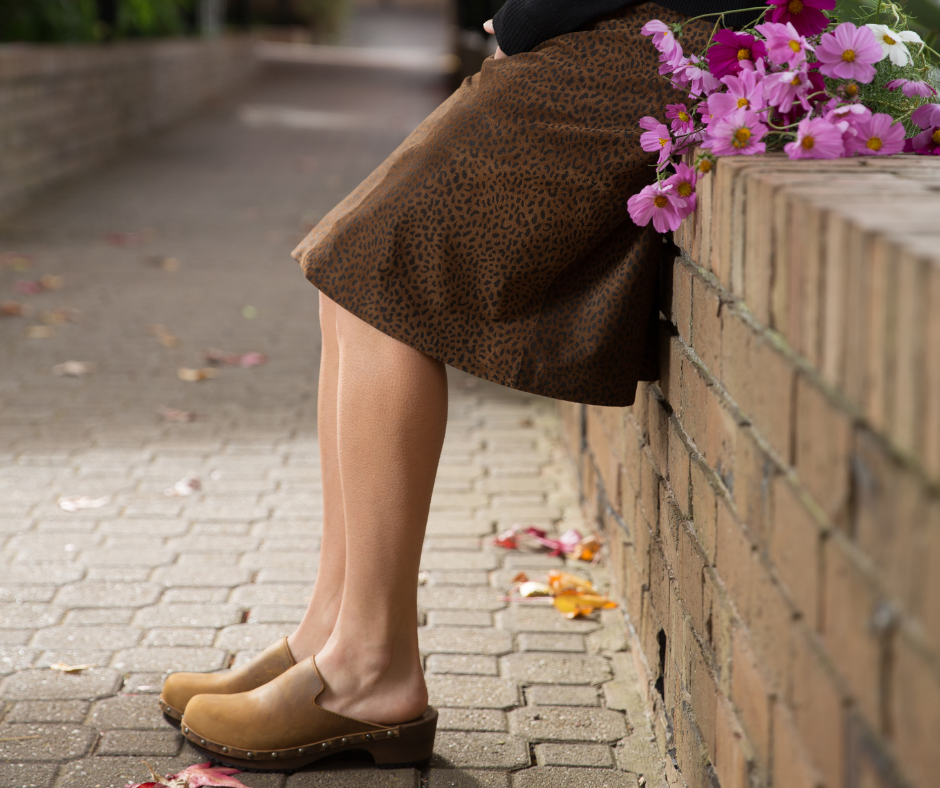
(151, 583)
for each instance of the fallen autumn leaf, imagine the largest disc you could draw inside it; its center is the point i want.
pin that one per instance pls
(196, 375)
(75, 503)
(185, 486)
(174, 414)
(66, 668)
(73, 369)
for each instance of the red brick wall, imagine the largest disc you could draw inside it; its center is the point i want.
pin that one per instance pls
(771, 504)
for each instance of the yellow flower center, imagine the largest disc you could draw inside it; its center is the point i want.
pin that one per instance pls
(704, 166)
(874, 143)
(685, 189)
(849, 55)
(684, 116)
(743, 102)
(795, 6)
(663, 142)
(741, 136)
(795, 45)
(796, 81)
(744, 53)
(808, 143)
(660, 201)
(936, 136)
(888, 40)
(851, 90)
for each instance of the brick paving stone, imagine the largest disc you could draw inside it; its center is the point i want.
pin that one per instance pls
(204, 596)
(179, 637)
(130, 712)
(15, 637)
(48, 711)
(124, 558)
(472, 720)
(244, 637)
(55, 685)
(543, 668)
(294, 594)
(119, 574)
(562, 695)
(518, 559)
(164, 742)
(20, 616)
(222, 576)
(188, 615)
(13, 658)
(478, 578)
(456, 598)
(447, 544)
(116, 772)
(541, 619)
(97, 657)
(640, 755)
(590, 755)
(562, 777)
(458, 560)
(544, 641)
(20, 594)
(136, 526)
(479, 750)
(44, 742)
(459, 618)
(92, 616)
(213, 544)
(354, 777)
(275, 614)
(464, 640)
(91, 594)
(563, 723)
(462, 664)
(199, 660)
(27, 775)
(86, 637)
(467, 778)
(483, 692)
(277, 560)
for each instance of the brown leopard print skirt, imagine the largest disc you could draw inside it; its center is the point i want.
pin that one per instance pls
(496, 238)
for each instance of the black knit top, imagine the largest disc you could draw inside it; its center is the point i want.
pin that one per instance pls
(522, 25)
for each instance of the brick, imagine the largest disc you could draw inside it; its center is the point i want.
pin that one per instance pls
(734, 560)
(704, 508)
(108, 595)
(818, 707)
(569, 724)
(242, 637)
(129, 712)
(459, 618)
(769, 618)
(706, 324)
(86, 637)
(679, 465)
(752, 696)
(467, 778)
(472, 720)
(479, 750)
(351, 776)
(605, 460)
(534, 619)
(561, 777)
(182, 637)
(823, 446)
(541, 641)
(464, 640)
(199, 660)
(458, 561)
(767, 398)
(692, 563)
(462, 664)
(456, 598)
(139, 743)
(851, 629)
(915, 709)
(658, 415)
(37, 742)
(792, 764)
(562, 695)
(221, 576)
(188, 615)
(585, 755)
(46, 685)
(483, 692)
(21, 616)
(28, 775)
(732, 752)
(61, 711)
(649, 487)
(796, 548)
(289, 594)
(681, 302)
(703, 688)
(541, 668)
(692, 399)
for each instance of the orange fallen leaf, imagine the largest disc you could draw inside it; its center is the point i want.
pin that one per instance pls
(50, 282)
(60, 317)
(196, 375)
(573, 605)
(166, 337)
(40, 332)
(15, 309)
(66, 668)
(520, 577)
(564, 582)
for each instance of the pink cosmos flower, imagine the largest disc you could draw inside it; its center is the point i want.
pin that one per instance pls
(663, 37)
(699, 80)
(848, 53)
(731, 49)
(851, 116)
(927, 116)
(658, 203)
(783, 89)
(657, 138)
(878, 135)
(672, 62)
(817, 138)
(683, 184)
(926, 143)
(784, 45)
(744, 91)
(740, 133)
(681, 117)
(806, 15)
(912, 88)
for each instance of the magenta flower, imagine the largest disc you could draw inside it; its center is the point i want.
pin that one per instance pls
(785, 88)
(745, 91)
(850, 116)
(805, 15)
(740, 133)
(681, 117)
(658, 203)
(817, 139)
(683, 184)
(784, 45)
(927, 116)
(731, 49)
(848, 53)
(663, 37)
(912, 88)
(926, 143)
(657, 138)
(878, 135)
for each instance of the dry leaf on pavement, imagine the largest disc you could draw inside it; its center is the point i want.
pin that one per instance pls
(166, 337)
(59, 317)
(51, 282)
(205, 774)
(220, 357)
(27, 287)
(185, 486)
(75, 503)
(16, 261)
(130, 239)
(73, 369)
(15, 309)
(40, 332)
(196, 375)
(66, 668)
(174, 414)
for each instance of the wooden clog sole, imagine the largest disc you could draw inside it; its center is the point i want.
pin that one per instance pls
(395, 746)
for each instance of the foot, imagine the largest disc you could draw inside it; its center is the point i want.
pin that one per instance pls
(316, 627)
(383, 686)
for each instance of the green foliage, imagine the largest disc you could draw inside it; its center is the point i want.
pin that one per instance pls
(151, 17)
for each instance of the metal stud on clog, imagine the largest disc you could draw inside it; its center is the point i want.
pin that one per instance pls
(225, 749)
(300, 751)
(325, 745)
(185, 729)
(249, 755)
(202, 742)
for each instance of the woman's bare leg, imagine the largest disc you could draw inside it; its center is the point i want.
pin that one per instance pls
(317, 624)
(392, 413)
